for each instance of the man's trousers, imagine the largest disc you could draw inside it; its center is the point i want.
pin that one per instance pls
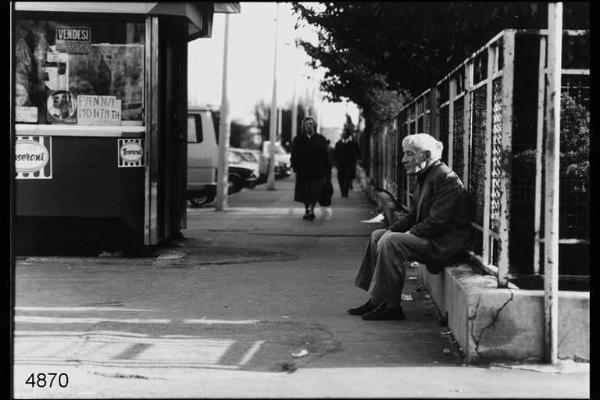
(383, 267)
(345, 178)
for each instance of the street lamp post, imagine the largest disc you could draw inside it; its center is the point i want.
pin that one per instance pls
(273, 121)
(224, 127)
(295, 60)
(294, 113)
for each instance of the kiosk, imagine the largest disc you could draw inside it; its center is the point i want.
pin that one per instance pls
(100, 108)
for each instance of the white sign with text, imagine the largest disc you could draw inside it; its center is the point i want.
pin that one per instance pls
(98, 110)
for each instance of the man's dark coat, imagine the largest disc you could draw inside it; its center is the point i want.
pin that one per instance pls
(346, 155)
(441, 211)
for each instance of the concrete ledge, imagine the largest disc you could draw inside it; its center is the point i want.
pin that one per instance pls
(492, 324)
(435, 284)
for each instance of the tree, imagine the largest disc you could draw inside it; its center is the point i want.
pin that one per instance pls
(411, 45)
(380, 54)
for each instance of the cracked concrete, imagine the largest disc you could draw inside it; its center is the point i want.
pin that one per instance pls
(493, 324)
(477, 323)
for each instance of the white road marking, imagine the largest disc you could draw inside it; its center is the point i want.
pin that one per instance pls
(250, 353)
(88, 320)
(119, 349)
(85, 320)
(81, 333)
(220, 321)
(77, 309)
(123, 364)
(256, 210)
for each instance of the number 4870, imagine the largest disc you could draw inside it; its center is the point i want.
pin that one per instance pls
(43, 380)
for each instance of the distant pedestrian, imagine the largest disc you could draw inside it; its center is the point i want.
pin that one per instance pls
(436, 231)
(310, 161)
(347, 154)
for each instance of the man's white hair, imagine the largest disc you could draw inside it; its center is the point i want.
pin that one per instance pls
(424, 142)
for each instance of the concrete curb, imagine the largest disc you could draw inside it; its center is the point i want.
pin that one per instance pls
(494, 324)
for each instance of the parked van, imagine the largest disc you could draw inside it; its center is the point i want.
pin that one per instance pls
(203, 160)
(202, 157)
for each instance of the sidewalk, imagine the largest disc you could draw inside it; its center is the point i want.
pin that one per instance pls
(250, 304)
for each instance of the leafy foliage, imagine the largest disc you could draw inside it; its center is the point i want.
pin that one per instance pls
(408, 46)
(379, 54)
(574, 145)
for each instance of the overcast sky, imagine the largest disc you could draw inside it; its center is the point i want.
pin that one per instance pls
(251, 54)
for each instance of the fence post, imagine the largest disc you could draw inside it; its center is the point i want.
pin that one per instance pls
(451, 94)
(552, 170)
(508, 70)
(538, 157)
(434, 113)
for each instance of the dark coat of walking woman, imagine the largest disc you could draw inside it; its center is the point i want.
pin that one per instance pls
(310, 161)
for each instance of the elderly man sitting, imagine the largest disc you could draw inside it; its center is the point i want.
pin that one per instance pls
(436, 231)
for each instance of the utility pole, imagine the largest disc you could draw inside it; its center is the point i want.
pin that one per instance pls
(224, 126)
(294, 128)
(273, 121)
(552, 180)
(294, 113)
(312, 98)
(279, 122)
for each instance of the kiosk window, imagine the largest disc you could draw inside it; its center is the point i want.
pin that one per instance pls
(195, 129)
(79, 72)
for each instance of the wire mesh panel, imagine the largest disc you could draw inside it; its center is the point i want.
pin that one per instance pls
(443, 130)
(389, 152)
(376, 140)
(477, 159)
(395, 161)
(403, 190)
(574, 161)
(523, 143)
(458, 164)
(496, 154)
(577, 87)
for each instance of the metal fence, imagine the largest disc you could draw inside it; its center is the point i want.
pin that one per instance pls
(489, 113)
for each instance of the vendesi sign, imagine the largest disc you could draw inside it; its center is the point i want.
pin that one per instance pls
(73, 39)
(98, 110)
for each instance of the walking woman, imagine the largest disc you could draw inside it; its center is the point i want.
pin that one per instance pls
(310, 161)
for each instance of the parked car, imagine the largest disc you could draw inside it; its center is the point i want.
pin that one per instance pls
(241, 173)
(203, 160)
(283, 166)
(248, 157)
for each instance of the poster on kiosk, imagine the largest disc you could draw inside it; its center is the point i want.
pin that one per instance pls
(107, 76)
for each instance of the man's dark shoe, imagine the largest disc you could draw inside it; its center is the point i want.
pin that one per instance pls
(363, 308)
(311, 216)
(385, 313)
(306, 215)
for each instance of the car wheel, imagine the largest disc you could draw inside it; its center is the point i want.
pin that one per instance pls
(235, 184)
(200, 199)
